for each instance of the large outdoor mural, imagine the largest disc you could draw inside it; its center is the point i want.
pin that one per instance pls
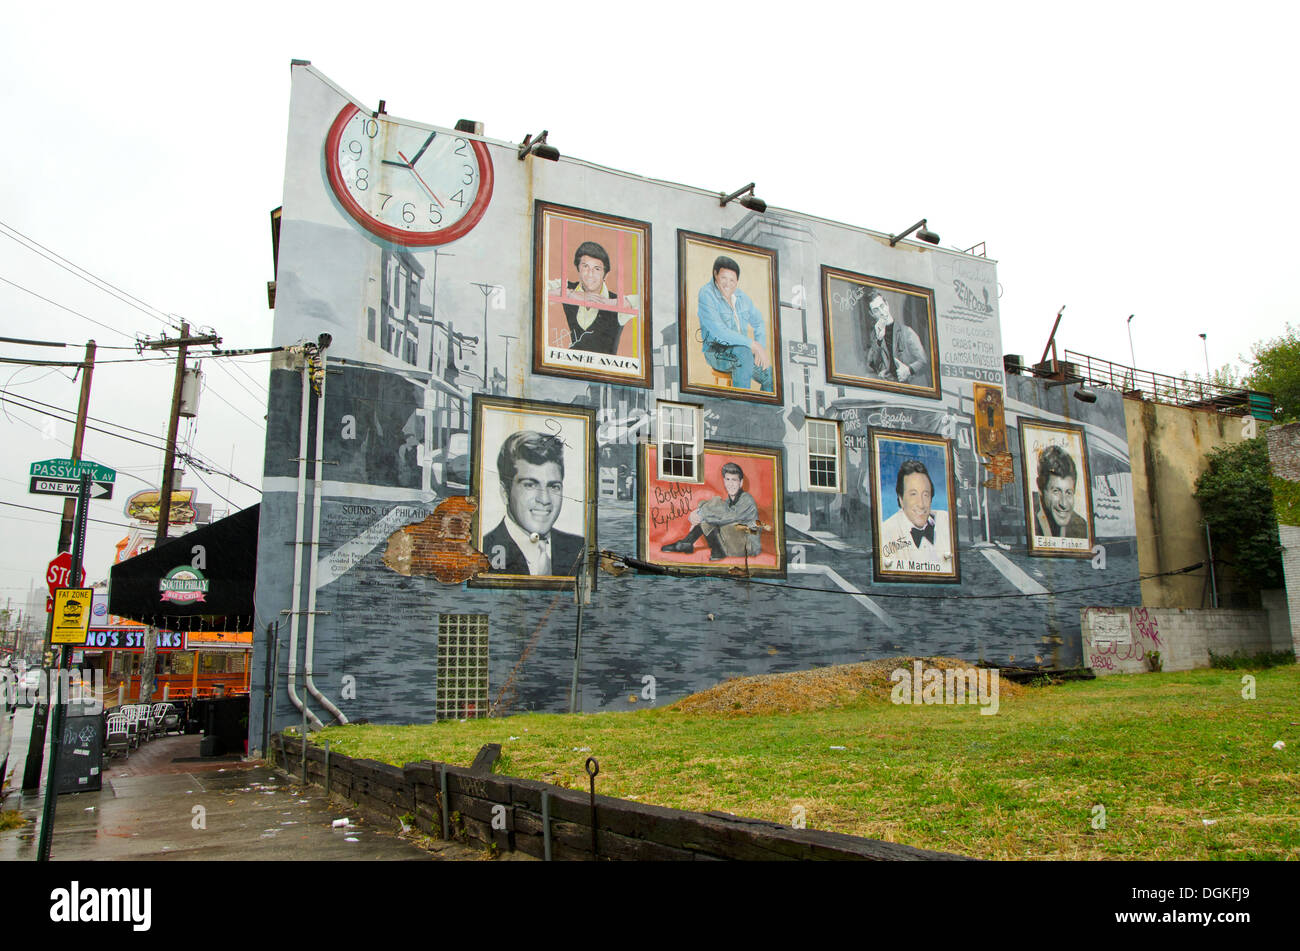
(856, 476)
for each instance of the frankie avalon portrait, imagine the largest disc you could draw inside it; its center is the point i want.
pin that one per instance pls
(591, 327)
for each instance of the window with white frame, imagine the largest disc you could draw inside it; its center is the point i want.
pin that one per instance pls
(462, 667)
(681, 442)
(823, 455)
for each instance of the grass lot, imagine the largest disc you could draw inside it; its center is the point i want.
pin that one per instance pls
(1160, 752)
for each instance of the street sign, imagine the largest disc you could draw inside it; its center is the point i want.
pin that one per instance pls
(56, 575)
(71, 615)
(69, 487)
(73, 469)
(801, 352)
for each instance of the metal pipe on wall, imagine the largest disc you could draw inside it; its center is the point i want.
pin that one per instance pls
(297, 554)
(318, 490)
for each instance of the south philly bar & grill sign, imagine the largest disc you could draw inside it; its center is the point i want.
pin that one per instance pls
(183, 585)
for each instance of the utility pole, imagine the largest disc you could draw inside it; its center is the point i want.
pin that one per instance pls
(78, 436)
(182, 345)
(507, 338)
(41, 711)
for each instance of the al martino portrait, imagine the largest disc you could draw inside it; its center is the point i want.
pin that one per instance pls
(912, 495)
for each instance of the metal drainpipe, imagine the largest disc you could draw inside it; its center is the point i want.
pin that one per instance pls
(319, 463)
(297, 556)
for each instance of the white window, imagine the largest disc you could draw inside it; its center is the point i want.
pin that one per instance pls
(824, 455)
(681, 442)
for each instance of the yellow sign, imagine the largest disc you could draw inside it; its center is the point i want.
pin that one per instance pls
(71, 615)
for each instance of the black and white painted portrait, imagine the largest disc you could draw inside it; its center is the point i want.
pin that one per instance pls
(532, 465)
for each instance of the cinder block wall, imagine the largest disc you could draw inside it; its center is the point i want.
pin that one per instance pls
(1122, 640)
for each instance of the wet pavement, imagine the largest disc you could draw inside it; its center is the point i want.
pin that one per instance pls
(164, 802)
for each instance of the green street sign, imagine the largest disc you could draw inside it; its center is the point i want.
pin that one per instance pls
(72, 469)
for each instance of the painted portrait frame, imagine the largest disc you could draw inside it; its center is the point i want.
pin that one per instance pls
(891, 541)
(494, 418)
(696, 254)
(1036, 435)
(849, 344)
(662, 516)
(558, 232)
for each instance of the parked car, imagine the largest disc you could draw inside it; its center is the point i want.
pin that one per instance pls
(29, 686)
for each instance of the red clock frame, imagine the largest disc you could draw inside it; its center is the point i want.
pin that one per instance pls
(396, 235)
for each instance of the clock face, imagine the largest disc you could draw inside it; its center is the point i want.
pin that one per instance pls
(405, 184)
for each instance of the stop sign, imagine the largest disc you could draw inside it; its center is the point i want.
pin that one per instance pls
(56, 576)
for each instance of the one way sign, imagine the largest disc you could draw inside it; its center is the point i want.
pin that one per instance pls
(43, 486)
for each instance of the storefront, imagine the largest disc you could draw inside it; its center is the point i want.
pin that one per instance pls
(197, 590)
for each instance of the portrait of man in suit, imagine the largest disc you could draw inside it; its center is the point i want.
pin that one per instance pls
(530, 466)
(895, 351)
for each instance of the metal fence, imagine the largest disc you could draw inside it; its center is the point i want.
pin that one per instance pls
(1162, 388)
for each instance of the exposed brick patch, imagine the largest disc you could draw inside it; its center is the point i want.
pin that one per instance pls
(439, 545)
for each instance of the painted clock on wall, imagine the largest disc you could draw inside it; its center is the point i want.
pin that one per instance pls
(408, 185)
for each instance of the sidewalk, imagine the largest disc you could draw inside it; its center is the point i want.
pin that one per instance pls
(164, 802)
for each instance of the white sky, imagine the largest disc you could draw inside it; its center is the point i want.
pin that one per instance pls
(1115, 157)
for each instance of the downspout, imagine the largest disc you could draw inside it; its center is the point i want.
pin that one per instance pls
(319, 463)
(297, 556)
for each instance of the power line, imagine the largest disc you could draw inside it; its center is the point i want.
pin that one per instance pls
(75, 313)
(7, 398)
(60, 515)
(96, 419)
(80, 272)
(193, 457)
(259, 425)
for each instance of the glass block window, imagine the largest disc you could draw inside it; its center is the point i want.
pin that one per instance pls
(462, 667)
(824, 455)
(681, 442)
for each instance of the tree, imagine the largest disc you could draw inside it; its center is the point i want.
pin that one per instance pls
(1236, 497)
(1275, 369)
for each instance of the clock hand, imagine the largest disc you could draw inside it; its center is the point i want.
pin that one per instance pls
(398, 164)
(411, 165)
(427, 143)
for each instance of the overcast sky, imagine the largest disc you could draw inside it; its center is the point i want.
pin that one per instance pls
(1115, 158)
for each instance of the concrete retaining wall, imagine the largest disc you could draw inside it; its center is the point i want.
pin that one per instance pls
(624, 830)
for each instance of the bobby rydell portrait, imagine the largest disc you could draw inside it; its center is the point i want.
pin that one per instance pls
(729, 526)
(526, 542)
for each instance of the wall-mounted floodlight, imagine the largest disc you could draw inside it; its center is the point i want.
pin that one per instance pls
(929, 237)
(747, 199)
(1082, 394)
(538, 147)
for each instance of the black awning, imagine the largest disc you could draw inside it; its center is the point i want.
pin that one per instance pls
(202, 581)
